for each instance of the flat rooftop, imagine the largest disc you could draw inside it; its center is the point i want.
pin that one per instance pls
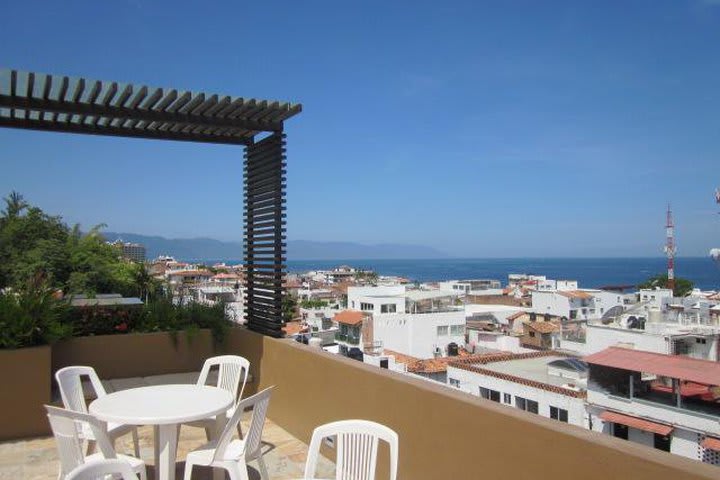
(535, 369)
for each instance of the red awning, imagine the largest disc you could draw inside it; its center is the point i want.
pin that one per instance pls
(711, 443)
(635, 422)
(673, 366)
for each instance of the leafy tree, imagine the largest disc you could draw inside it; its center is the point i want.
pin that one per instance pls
(31, 242)
(683, 286)
(289, 308)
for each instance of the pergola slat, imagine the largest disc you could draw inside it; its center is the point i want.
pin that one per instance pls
(138, 111)
(124, 95)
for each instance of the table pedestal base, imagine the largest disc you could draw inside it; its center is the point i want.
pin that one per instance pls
(165, 451)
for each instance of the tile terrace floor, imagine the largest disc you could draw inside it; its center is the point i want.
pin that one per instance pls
(37, 459)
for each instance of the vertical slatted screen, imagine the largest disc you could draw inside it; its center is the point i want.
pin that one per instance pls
(265, 234)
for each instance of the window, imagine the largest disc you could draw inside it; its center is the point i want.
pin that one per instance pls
(559, 414)
(532, 334)
(388, 308)
(489, 394)
(442, 330)
(507, 398)
(662, 442)
(700, 340)
(384, 363)
(457, 329)
(620, 431)
(454, 382)
(366, 306)
(527, 405)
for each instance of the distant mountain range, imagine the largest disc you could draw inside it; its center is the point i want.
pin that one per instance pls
(195, 249)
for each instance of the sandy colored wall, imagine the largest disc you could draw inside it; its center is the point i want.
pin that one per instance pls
(25, 375)
(443, 433)
(136, 354)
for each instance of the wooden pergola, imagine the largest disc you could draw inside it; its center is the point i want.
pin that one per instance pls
(53, 103)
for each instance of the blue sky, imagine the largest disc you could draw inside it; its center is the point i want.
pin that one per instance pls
(484, 129)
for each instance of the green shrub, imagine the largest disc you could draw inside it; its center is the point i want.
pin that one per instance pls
(32, 316)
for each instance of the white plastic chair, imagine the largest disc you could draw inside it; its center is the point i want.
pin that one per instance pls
(99, 470)
(231, 369)
(69, 380)
(64, 425)
(357, 445)
(234, 455)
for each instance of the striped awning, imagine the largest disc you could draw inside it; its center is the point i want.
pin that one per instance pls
(77, 105)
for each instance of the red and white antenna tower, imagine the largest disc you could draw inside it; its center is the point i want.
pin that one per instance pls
(670, 248)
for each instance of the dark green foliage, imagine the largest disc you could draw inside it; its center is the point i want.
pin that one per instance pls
(32, 316)
(289, 308)
(682, 286)
(313, 303)
(41, 257)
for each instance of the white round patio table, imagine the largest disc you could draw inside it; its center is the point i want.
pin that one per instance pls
(165, 407)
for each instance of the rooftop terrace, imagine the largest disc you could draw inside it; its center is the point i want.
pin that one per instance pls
(441, 430)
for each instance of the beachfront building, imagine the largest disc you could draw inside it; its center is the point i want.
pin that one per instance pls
(543, 383)
(667, 402)
(135, 252)
(472, 287)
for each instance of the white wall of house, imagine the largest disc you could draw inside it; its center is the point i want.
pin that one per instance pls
(556, 303)
(376, 297)
(471, 382)
(655, 298)
(418, 335)
(684, 442)
(495, 341)
(550, 302)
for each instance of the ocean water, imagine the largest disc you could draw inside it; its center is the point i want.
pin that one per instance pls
(589, 272)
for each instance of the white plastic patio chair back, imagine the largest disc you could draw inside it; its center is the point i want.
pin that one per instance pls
(357, 445)
(231, 369)
(99, 470)
(69, 381)
(69, 444)
(251, 446)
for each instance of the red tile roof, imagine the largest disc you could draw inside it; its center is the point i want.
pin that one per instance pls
(543, 327)
(673, 366)
(637, 422)
(293, 328)
(349, 317)
(575, 294)
(428, 365)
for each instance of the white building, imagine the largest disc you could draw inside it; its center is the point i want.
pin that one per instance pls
(472, 287)
(543, 383)
(583, 304)
(696, 341)
(655, 298)
(419, 323)
(667, 402)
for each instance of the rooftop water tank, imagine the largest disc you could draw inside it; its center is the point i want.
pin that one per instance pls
(452, 349)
